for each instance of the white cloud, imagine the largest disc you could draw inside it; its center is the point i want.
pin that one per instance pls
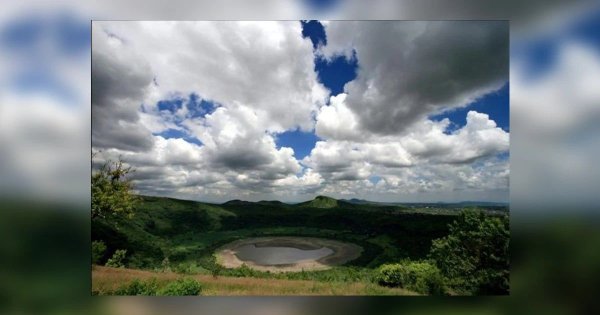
(491, 175)
(424, 159)
(408, 70)
(266, 66)
(346, 147)
(337, 121)
(480, 137)
(260, 74)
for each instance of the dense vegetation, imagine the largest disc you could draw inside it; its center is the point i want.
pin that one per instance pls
(474, 257)
(187, 231)
(179, 235)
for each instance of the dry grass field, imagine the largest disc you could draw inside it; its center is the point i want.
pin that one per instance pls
(105, 280)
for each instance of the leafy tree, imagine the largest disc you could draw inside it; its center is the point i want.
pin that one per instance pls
(111, 190)
(98, 249)
(474, 257)
(118, 259)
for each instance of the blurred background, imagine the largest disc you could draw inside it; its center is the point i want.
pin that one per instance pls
(45, 154)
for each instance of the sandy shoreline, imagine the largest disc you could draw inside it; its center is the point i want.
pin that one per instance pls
(342, 253)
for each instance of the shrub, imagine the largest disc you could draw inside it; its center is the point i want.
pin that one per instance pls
(98, 249)
(112, 191)
(137, 287)
(166, 265)
(184, 286)
(118, 259)
(474, 256)
(421, 277)
(216, 271)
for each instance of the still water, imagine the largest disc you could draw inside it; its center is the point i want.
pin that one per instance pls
(279, 255)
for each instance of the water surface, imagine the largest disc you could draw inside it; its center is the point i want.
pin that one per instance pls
(274, 255)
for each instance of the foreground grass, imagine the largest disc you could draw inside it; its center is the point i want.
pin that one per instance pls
(106, 280)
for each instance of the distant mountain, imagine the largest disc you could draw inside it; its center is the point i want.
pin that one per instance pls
(325, 202)
(321, 202)
(237, 202)
(358, 201)
(483, 203)
(272, 202)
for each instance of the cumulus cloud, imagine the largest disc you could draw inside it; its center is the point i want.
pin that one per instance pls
(337, 121)
(480, 137)
(258, 77)
(427, 143)
(488, 176)
(194, 107)
(407, 70)
(267, 66)
(120, 78)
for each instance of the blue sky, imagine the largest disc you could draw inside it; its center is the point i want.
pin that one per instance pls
(302, 142)
(195, 106)
(496, 104)
(333, 74)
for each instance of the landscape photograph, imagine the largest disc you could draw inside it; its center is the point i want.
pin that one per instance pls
(268, 158)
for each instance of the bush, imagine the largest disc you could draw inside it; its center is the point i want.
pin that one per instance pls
(137, 287)
(166, 265)
(112, 191)
(98, 249)
(185, 286)
(216, 271)
(118, 259)
(474, 256)
(421, 277)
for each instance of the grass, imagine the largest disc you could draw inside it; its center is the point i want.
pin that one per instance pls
(106, 280)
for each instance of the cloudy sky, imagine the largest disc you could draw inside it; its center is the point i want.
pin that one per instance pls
(390, 111)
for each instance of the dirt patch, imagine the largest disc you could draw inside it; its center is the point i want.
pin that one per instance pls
(342, 253)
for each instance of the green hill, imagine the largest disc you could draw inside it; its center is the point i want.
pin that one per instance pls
(321, 202)
(187, 232)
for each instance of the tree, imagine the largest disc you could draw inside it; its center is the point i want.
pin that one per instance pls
(111, 191)
(98, 249)
(474, 257)
(118, 259)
